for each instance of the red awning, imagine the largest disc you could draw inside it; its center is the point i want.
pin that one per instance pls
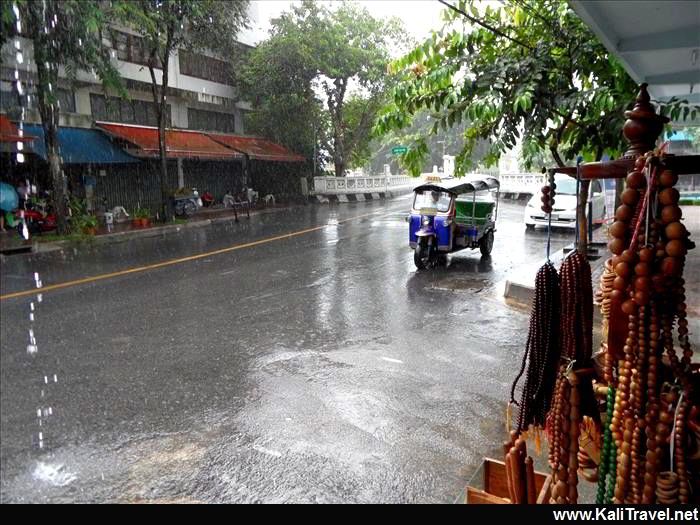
(179, 143)
(10, 133)
(257, 148)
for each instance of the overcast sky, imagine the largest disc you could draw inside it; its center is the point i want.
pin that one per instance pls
(419, 16)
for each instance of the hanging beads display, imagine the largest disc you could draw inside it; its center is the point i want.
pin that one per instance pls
(541, 352)
(650, 450)
(576, 309)
(650, 252)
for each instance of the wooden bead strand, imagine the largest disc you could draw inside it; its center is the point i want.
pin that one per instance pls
(560, 458)
(651, 465)
(542, 352)
(574, 432)
(679, 451)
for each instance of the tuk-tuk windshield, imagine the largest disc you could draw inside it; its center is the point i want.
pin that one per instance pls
(439, 200)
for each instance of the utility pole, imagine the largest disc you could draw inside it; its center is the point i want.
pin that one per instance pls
(313, 126)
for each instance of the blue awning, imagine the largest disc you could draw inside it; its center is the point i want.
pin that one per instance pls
(79, 146)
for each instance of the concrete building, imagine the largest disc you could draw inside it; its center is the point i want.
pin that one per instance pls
(205, 146)
(200, 94)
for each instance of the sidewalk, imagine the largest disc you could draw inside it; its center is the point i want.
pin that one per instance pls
(11, 243)
(519, 286)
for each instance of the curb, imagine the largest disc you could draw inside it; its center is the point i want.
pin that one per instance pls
(123, 236)
(360, 197)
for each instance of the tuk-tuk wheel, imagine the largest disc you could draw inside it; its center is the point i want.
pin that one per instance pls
(422, 256)
(486, 244)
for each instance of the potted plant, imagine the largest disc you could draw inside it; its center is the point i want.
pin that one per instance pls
(142, 216)
(89, 224)
(81, 219)
(136, 218)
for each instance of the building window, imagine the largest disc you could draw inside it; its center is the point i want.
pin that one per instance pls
(66, 100)
(11, 102)
(210, 120)
(130, 48)
(113, 109)
(204, 67)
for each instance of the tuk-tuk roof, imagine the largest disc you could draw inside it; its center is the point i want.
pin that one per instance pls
(466, 184)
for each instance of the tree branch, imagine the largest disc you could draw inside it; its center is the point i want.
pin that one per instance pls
(485, 25)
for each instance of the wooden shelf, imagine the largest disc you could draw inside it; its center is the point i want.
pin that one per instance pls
(617, 169)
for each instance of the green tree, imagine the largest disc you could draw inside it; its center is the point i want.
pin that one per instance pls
(539, 76)
(339, 55)
(442, 142)
(169, 25)
(522, 71)
(276, 77)
(64, 33)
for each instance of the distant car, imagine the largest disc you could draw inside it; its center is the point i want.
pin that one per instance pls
(564, 210)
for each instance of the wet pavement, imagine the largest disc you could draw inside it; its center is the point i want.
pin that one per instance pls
(319, 367)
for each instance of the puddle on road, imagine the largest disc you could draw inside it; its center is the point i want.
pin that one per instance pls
(454, 283)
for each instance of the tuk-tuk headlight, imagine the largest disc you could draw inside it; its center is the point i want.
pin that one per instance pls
(426, 221)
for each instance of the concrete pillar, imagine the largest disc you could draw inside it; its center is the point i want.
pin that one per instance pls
(180, 174)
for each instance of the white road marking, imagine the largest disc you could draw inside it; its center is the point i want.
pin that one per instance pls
(389, 359)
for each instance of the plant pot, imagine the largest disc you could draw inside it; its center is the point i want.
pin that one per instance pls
(145, 223)
(136, 223)
(90, 230)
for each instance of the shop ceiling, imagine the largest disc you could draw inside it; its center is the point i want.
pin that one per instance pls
(657, 42)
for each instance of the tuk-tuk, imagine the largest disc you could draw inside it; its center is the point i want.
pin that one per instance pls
(452, 214)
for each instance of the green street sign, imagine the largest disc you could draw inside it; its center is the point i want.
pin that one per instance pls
(399, 150)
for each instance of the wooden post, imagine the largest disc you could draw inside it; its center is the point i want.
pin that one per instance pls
(641, 129)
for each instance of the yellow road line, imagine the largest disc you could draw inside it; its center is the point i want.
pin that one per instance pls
(170, 262)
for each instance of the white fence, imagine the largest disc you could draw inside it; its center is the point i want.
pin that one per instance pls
(522, 182)
(346, 185)
(510, 183)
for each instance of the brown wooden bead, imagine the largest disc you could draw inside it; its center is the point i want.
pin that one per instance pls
(617, 246)
(643, 284)
(646, 255)
(671, 266)
(629, 307)
(618, 229)
(642, 269)
(623, 270)
(630, 197)
(675, 230)
(670, 214)
(624, 213)
(675, 248)
(636, 180)
(669, 196)
(668, 178)
(629, 256)
(641, 298)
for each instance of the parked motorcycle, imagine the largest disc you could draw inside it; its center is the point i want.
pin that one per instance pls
(187, 205)
(36, 218)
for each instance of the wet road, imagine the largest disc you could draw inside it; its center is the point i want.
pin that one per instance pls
(315, 368)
